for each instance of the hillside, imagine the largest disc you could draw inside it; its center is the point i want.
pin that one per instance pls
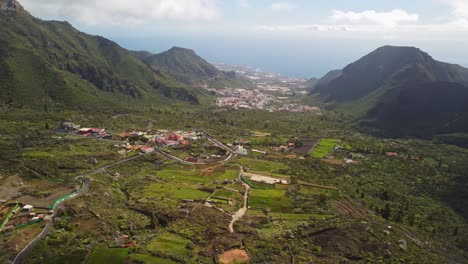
(50, 62)
(325, 80)
(399, 91)
(392, 66)
(189, 68)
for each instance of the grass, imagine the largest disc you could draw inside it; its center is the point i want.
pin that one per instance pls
(170, 244)
(108, 255)
(324, 148)
(229, 174)
(150, 259)
(173, 191)
(262, 165)
(276, 200)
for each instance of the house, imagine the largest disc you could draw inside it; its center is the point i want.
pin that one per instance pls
(191, 159)
(392, 154)
(174, 137)
(70, 126)
(161, 141)
(146, 149)
(85, 131)
(28, 208)
(185, 143)
(242, 142)
(240, 150)
(123, 135)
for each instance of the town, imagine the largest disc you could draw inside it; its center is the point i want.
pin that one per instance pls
(256, 99)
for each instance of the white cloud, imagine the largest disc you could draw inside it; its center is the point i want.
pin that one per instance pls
(460, 8)
(124, 11)
(459, 11)
(392, 22)
(282, 6)
(371, 17)
(244, 3)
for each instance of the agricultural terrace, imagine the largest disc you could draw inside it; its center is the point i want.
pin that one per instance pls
(324, 148)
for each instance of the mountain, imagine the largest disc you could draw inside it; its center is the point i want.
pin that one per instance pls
(325, 80)
(399, 91)
(392, 66)
(190, 68)
(50, 62)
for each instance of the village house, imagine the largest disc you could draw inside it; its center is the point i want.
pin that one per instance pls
(240, 150)
(392, 154)
(146, 149)
(28, 208)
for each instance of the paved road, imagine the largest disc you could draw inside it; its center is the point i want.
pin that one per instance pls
(23, 253)
(232, 154)
(84, 188)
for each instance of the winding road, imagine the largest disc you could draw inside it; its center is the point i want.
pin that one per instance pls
(86, 182)
(84, 188)
(239, 214)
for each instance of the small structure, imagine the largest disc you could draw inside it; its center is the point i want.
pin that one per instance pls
(392, 154)
(70, 126)
(240, 150)
(28, 208)
(146, 149)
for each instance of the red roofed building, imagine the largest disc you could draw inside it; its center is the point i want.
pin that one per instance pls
(146, 149)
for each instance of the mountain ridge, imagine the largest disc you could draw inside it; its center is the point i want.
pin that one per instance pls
(190, 68)
(51, 62)
(371, 89)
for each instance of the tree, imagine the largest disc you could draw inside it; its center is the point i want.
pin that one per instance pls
(386, 211)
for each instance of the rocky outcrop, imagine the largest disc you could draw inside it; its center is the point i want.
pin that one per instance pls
(12, 5)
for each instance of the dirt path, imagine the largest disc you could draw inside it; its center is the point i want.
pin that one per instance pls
(239, 214)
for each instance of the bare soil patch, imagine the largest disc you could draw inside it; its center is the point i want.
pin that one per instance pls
(234, 256)
(10, 187)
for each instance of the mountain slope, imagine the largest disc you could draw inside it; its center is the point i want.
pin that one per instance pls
(401, 91)
(325, 80)
(190, 68)
(45, 62)
(422, 110)
(392, 66)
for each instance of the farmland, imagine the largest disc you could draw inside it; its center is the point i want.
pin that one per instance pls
(161, 204)
(324, 148)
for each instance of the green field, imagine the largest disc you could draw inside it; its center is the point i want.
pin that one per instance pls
(273, 199)
(170, 244)
(173, 191)
(108, 255)
(229, 174)
(262, 165)
(324, 148)
(147, 259)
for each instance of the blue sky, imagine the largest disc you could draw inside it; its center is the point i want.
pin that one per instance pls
(296, 37)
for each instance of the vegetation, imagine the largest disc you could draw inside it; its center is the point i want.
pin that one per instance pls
(325, 147)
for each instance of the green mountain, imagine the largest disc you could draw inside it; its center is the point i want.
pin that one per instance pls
(325, 80)
(50, 62)
(191, 69)
(401, 91)
(389, 66)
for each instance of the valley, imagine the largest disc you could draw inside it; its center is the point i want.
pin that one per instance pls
(109, 155)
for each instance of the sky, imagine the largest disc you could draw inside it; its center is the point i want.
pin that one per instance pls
(302, 38)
